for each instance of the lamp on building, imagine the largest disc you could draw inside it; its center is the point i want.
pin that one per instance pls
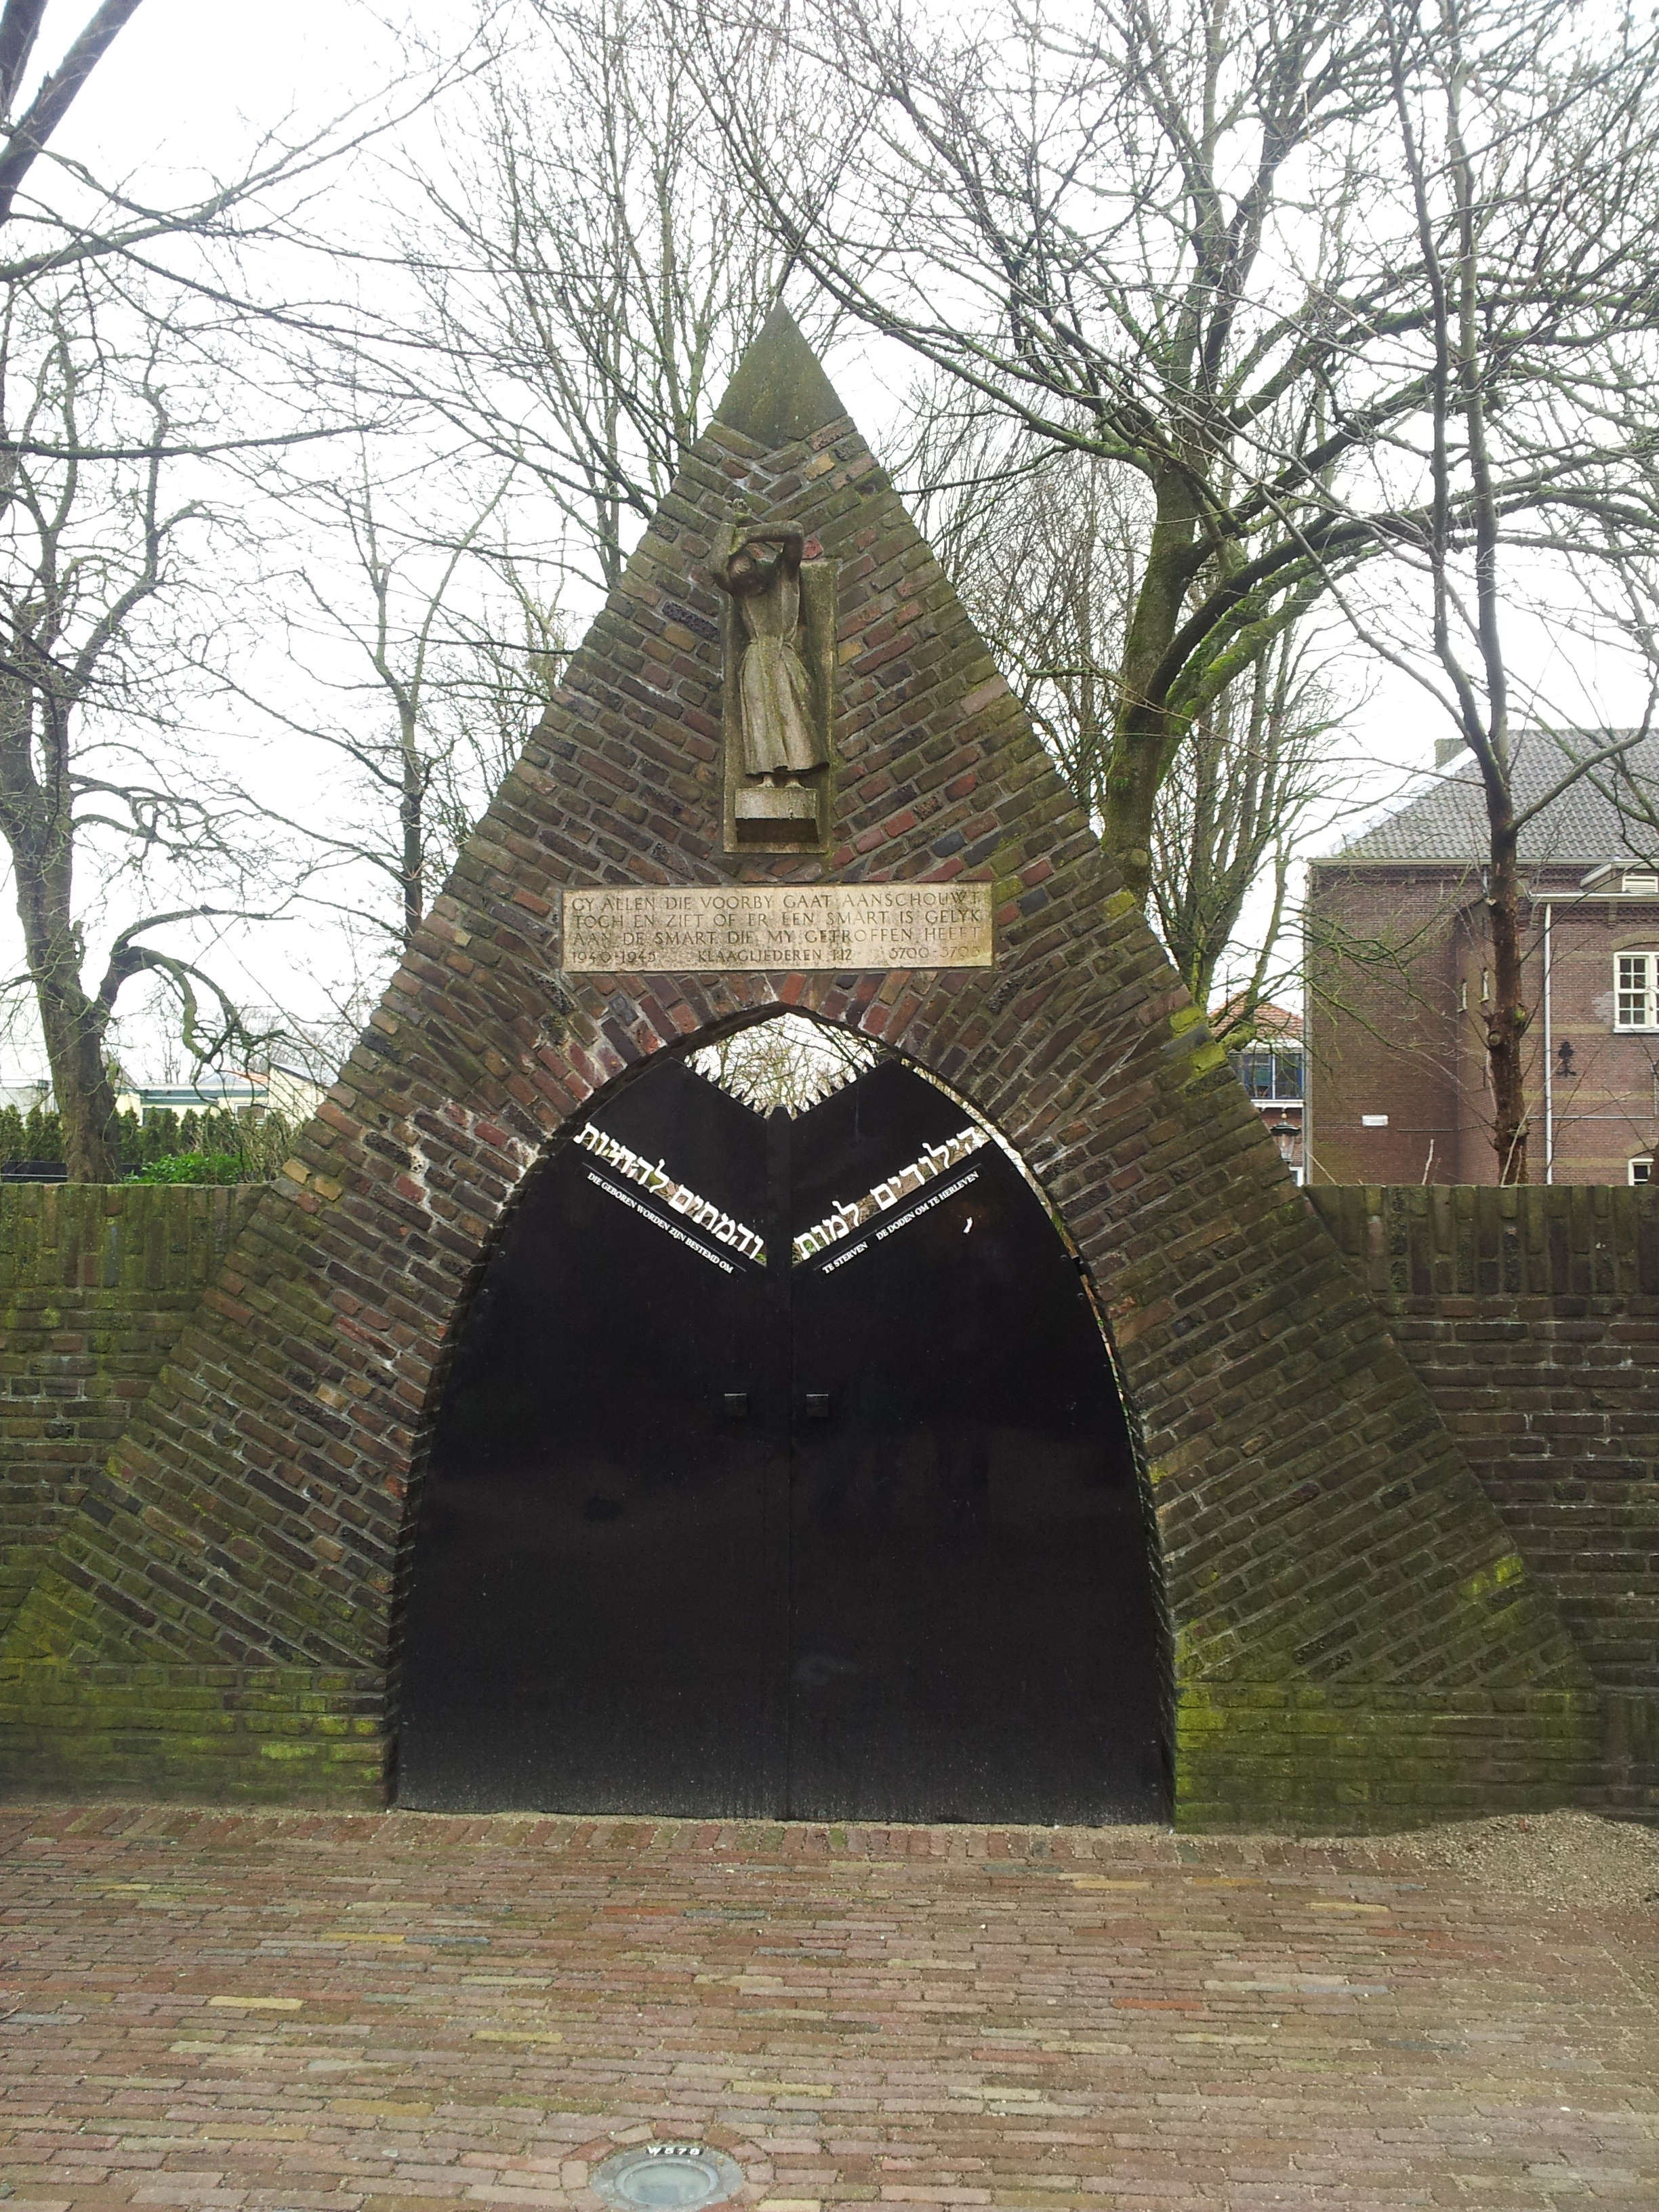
(1563, 1053)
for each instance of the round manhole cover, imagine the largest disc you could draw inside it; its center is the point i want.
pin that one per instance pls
(667, 2177)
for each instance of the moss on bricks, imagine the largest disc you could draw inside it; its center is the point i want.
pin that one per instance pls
(1260, 1755)
(265, 1736)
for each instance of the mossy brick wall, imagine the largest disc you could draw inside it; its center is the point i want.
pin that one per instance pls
(1356, 1637)
(1533, 1317)
(95, 1284)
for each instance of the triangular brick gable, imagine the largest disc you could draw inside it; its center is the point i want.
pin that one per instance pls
(1345, 1602)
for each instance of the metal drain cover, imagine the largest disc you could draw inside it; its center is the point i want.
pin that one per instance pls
(667, 2177)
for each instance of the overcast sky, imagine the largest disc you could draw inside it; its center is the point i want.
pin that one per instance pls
(190, 83)
(187, 80)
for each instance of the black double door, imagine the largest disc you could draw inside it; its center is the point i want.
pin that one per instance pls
(781, 1472)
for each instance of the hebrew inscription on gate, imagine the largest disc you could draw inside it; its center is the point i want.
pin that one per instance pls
(790, 925)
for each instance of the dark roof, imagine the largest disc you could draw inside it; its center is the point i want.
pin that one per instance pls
(1446, 820)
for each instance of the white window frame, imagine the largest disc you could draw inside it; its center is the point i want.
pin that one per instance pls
(1279, 1049)
(1639, 883)
(1635, 992)
(1643, 1162)
(1286, 1049)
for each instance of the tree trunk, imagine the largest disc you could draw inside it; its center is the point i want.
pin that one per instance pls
(1141, 739)
(38, 825)
(1508, 1017)
(73, 1027)
(412, 807)
(85, 1099)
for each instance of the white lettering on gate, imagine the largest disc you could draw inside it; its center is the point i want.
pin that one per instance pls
(612, 1190)
(703, 1211)
(843, 1220)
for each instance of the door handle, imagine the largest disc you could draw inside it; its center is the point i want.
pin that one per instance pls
(818, 1405)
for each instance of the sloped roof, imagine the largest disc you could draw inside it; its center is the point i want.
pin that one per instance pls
(1446, 819)
(1268, 1021)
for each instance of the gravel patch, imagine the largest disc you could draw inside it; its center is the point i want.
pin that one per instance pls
(1569, 1858)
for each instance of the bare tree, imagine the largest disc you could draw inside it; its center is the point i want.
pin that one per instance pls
(138, 355)
(450, 655)
(93, 650)
(591, 270)
(788, 1063)
(1234, 814)
(1173, 236)
(1044, 545)
(588, 280)
(517, 654)
(26, 130)
(1529, 166)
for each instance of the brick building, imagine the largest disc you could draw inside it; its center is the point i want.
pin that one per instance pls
(1272, 1067)
(1398, 966)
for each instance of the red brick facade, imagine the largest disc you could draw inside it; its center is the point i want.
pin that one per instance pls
(1397, 1084)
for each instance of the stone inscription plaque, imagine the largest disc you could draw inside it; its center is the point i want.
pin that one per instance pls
(795, 925)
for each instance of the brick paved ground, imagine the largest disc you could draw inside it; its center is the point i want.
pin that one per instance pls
(411, 2012)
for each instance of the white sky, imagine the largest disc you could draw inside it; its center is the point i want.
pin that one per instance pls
(187, 79)
(190, 82)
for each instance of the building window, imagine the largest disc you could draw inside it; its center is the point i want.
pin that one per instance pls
(1642, 1171)
(1269, 1073)
(1642, 882)
(1634, 989)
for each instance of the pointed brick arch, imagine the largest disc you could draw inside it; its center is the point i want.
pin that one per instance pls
(1356, 1639)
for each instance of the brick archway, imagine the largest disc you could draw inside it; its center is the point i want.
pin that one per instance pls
(1356, 1639)
(934, 1437)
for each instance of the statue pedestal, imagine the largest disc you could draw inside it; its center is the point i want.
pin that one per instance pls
(775, 811)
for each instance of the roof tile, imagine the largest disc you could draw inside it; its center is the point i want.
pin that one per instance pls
(1598, 818)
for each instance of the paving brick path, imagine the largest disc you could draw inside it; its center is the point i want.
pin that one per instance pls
(408, 2012)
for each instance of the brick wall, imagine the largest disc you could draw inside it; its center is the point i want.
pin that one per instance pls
(94, 1286)
(1356, 1638)
(1533, 1317)
(1604, 1108)
(1398, 957)
(1380, 1028)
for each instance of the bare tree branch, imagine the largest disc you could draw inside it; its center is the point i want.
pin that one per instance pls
(25, 139)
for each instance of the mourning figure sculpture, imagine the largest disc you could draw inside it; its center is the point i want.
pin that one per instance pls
(761, 574)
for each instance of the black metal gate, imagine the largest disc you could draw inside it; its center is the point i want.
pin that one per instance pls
(781, 1472)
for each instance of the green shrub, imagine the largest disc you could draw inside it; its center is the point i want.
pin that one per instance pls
(193, 1167)
(43, 1136)
(211, 1146)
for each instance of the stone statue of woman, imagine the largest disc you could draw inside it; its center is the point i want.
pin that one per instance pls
(761, 574)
